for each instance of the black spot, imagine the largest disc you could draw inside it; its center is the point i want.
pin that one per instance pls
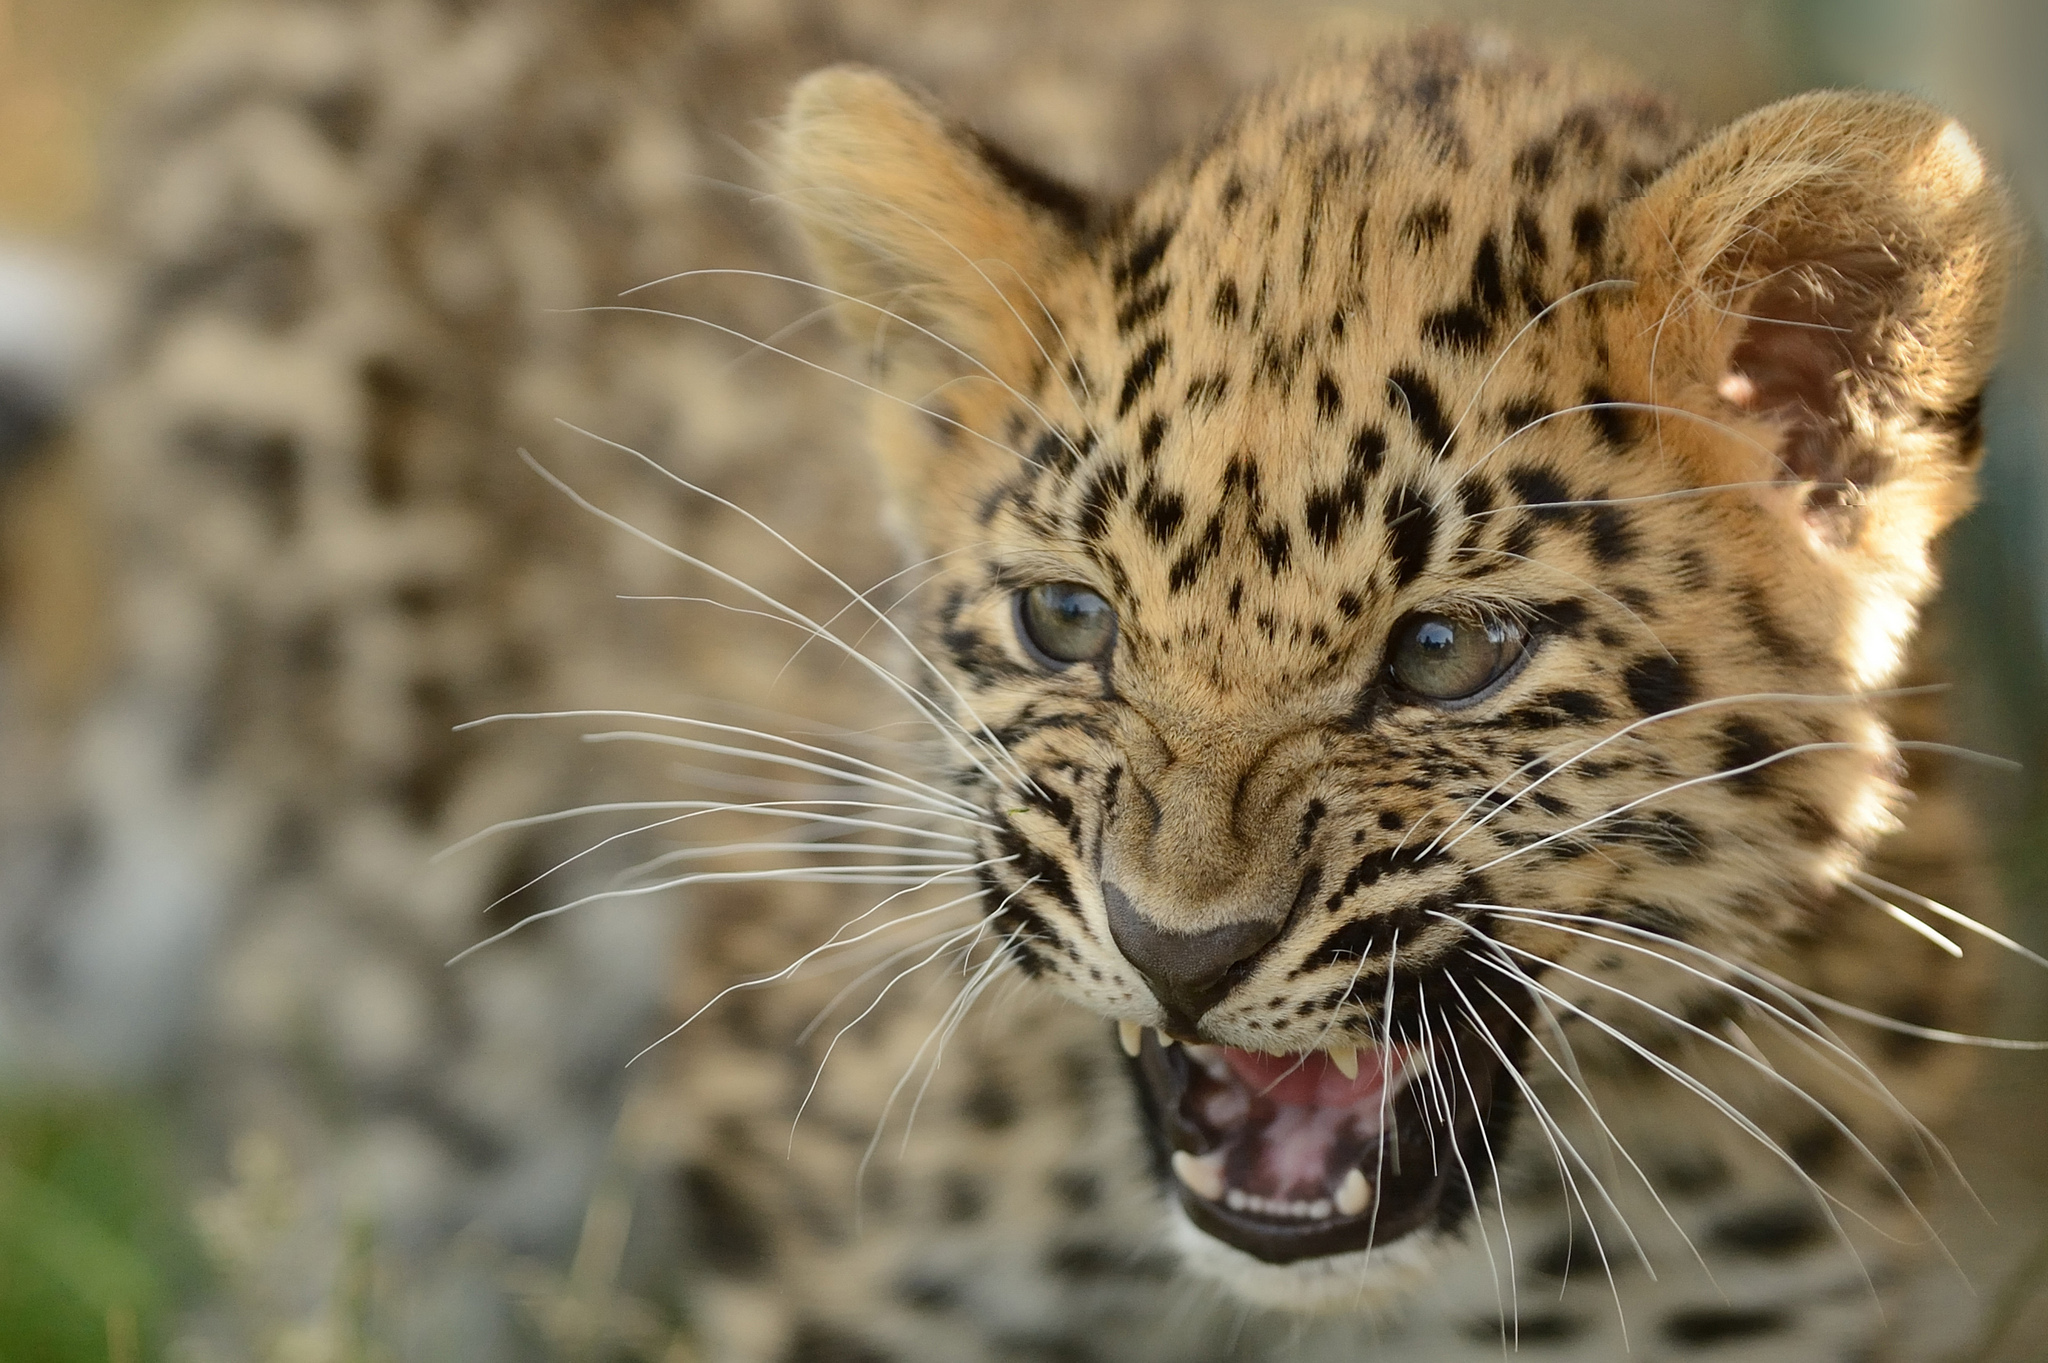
(1614, 423)
(1311, 818)
(1700, 1327)
(962, 1198)
(1771, 635)
(1078, 1190)
(1411, 534)
(1612, 538)
(1189, 565)
(1105, 490)
(817, 1343)
(1277, 546)
(1563, 1255)
(1464, 327)
(1426, 224)
(1206, 390)
(1696, 1176)
(1231, 197)
(1770, 1232)
(1744, 744)
(1150, 438)
(1162, 512)
(1589, 225)
(1658, 683)
(1224, 308)
(263, 463)
(1143, 257)
(1536, 163)
(1142, 371)
(927, 1292)
(1519, 415)
(725, 1230)
(1419, 400)
(1489, 290)
(1329, 398)
(1579, 705)
(1541, 492)
(989, 1105)
(1142, 308)
(1390, 820)
(1529, 235)
(1349, 606)
(1368, 450)
(1529, 1327)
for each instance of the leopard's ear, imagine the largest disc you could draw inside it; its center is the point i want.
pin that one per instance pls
(1821, 281)
(919, 220)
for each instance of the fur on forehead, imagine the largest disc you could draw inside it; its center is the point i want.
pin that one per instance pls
(1396, 295)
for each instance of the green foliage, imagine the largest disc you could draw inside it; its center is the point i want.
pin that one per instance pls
(93, 1251)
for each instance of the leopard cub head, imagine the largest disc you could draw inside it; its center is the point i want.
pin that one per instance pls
(1445, 532)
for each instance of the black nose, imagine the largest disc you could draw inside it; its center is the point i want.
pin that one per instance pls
(1188, 971)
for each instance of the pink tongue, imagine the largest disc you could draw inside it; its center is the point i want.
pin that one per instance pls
(1313, 1081)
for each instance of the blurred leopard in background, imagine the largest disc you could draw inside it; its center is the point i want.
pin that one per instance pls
(1406, 629)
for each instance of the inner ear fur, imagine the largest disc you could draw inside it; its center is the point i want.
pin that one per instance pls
(1826, 277)
(913, 215)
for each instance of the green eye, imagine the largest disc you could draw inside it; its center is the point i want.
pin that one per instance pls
(1065, 622)
(1442, 658)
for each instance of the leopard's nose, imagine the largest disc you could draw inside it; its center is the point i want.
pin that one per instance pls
(1189, 972)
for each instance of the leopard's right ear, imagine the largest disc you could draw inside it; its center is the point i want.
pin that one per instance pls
(936, 237)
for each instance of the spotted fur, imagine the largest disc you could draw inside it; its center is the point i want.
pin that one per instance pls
(1443, 327)
(1429, 323)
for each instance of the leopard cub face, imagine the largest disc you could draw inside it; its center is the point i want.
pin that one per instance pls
(1443, 535)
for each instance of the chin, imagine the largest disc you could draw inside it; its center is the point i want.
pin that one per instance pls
(1368, 1281)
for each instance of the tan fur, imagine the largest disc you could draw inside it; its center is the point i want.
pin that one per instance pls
(362, 237)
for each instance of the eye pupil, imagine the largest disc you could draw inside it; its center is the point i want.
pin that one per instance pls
(1441, 658)
(1065, 622)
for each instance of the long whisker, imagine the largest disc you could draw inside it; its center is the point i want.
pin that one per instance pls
(786, 809)
(1904, 919)
(1508, 349)
(1821, 1042)
(974, 265)
(1712, 703)
(910, 787)
(917, 702)
(1553, 1132)
(1961, 920)
(857, 598)
(1671, 789)
(835, 942)
(1692, 1083)
(927, 332)
(1600, 1119)
(1658, 408)
(824, 875)
(873, 1004)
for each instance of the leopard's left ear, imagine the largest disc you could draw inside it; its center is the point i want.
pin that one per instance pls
(917, 221)
(1822, 281)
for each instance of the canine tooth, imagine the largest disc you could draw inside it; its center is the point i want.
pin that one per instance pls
(1345, 1058)
(1235, 1199)
(1133, 1037)
(1164, 1040)
(1353, 1193)
(1202, 1173)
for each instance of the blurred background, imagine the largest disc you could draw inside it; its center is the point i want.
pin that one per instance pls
(132, 1206)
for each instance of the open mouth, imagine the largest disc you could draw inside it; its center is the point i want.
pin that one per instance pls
(1291, 1157)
